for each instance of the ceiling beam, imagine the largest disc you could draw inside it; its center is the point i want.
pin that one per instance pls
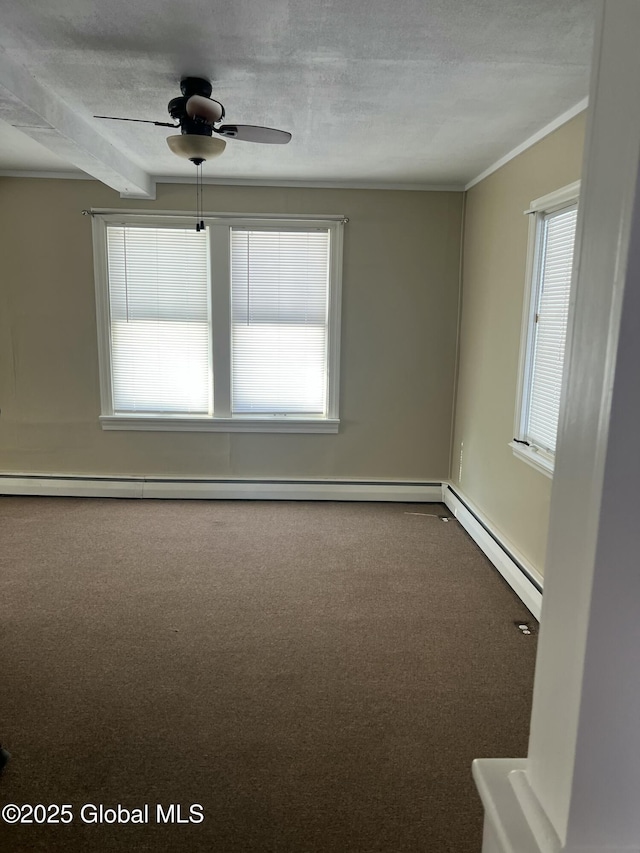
(34, 109)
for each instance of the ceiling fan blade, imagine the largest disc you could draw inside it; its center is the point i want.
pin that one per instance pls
(145, 120)
(253, 133)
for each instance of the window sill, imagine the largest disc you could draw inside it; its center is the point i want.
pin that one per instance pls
(177, 423)
(532, 457)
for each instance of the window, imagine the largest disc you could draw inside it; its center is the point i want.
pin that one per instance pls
(233, 328)
(544, 329)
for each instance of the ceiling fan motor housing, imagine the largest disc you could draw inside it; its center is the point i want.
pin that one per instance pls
(177, 108)
(192, 125)
(195, 86)
(195, 127)
(195, 110)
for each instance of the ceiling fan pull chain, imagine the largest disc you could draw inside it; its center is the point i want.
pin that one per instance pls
(198, 178)
(197, 223)
(201, 200)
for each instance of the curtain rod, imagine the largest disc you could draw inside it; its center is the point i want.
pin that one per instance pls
(174, 214)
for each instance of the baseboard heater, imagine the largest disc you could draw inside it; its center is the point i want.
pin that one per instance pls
(525, 581)
(221, 489)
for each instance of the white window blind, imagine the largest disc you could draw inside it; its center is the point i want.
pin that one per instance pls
(557, 238)
(160, 319)
(279, 321)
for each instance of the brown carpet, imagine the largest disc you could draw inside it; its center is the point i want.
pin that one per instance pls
(318, 676)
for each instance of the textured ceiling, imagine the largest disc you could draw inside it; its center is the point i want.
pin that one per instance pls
(411, 92)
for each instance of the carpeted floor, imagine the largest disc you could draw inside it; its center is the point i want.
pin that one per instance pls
(317, 676)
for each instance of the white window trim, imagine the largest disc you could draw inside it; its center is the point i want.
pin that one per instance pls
(538, 458)
(109, 420)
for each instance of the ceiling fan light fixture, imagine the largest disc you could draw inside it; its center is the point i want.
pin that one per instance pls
(194, 146)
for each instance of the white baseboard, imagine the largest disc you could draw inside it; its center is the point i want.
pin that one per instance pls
(521, 576)
(231, 489)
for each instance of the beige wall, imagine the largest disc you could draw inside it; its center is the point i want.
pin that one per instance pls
(511, 494)
(400, 292)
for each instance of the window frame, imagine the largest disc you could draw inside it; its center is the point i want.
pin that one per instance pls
(219, 225)
(567, 196)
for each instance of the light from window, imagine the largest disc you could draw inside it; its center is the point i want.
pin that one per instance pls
(555, 262)
(280, 290)
(160, 320)
(552, 231)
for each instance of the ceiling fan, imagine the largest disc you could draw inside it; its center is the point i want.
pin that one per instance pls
(198, 116)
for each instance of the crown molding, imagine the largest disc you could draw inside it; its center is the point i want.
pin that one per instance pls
(330, 185)
(246, 182)
(545, 131)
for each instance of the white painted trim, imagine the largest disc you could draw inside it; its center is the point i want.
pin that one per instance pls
(526, 326)
(219, 226)
(334, 313)
(545, 131)
(514, 820)
(163, 423)
(103, 313)
(545, 835)
(538, 458)
(504, 556)
(532, 456)
(505, 828)
(325, 185)
(556, 199)
(221, 489)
